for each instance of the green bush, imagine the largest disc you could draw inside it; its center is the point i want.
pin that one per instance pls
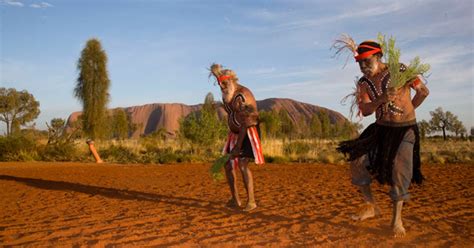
(60, 152)
(17, 148)
(276, 159)
(164, 155)
(297, 148)
(119, 154)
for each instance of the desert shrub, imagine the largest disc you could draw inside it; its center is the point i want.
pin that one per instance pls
(167, 155)
(327, 157)
(438, 159)
(60, 152)
(276, 159)
(17, 148)
(119, 154)
(298, 148)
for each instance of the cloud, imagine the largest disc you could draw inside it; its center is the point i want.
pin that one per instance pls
(262, 71)
(265, 14)
(42, 5)
(350, 14)
(13, 3)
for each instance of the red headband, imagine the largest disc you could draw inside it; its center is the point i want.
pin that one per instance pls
(223, 77)
(368, 53)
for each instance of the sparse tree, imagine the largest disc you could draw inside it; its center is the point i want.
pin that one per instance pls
(92, 89)
(458, 127)
(55, 129)
(325, 124)
(17, 108)
(442, 121)
(424, 128)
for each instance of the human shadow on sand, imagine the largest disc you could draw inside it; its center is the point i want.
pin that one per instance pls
(123, 194)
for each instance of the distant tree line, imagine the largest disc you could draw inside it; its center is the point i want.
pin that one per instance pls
(18, 108)
(278, 124)
(204, 127)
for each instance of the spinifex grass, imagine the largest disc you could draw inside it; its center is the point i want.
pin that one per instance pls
(216, 168)
(392, 56)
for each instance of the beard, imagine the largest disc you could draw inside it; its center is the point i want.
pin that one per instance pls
(228, 93)
(371, 70)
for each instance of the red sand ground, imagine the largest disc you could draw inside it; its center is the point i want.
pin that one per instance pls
(74, 204)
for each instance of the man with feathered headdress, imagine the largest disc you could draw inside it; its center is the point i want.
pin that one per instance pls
(243, 142)
(389, 148)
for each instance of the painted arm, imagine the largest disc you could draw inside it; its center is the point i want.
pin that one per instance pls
(238, 147)
(421, 92)
(367, 106)
(247, 115)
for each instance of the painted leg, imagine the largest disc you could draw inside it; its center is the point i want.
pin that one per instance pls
(234, 202)
(397, 224)
(94, 151)
(248, 181)
(401, 175)
(369, 209)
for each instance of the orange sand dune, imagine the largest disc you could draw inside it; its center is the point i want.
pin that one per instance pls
(73, 204)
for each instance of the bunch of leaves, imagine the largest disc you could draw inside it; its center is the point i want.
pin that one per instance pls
(216, 168)
(392, 54)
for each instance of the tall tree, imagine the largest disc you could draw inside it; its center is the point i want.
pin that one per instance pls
(287, 128)
(325, 124)
(92, 89)
(203, 127)
(302, 127)
(269, 123)
(315, 126)
(442, 121)
(120, 124)
(17, 108)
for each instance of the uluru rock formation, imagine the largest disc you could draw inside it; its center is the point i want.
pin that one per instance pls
(152, 117)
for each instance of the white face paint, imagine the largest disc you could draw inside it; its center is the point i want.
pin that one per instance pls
(227, 89)
(369, 66)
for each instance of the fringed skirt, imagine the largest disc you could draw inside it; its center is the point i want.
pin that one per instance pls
(251, 145)
(380, 142)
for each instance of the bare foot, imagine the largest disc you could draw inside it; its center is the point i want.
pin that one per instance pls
(366, 211)
(398, 231)
(250, 206)
(397, 224)
(231, 203)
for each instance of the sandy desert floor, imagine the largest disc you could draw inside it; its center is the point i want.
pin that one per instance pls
(89, 205)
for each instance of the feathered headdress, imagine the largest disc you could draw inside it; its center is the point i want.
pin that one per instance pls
(221, 74)
(345, 43)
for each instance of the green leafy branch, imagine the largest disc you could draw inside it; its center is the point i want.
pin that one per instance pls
(392, 54)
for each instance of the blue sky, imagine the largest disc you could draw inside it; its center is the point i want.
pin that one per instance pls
(158, 51)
